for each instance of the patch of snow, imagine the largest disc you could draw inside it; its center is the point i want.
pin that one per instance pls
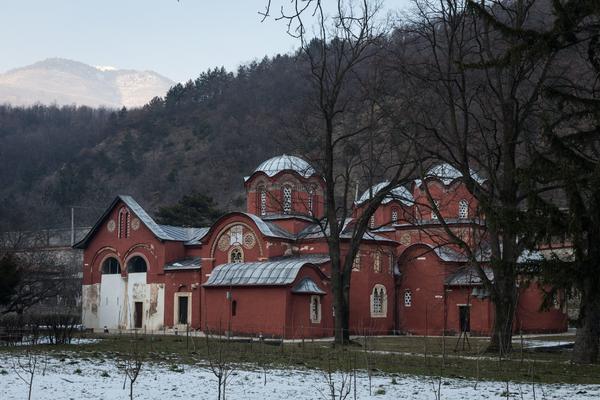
(104, 68)
(74, 378)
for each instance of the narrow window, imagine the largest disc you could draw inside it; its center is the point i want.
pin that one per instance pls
(463, 209)
(394, 215)
(436, 206)
(379, 301)
(377, 261)
(407, 298)
(356, 262)
(123, 223)
(315, 309)
(233, 308)
(263, 201)
(311, 195)
(287, 200)
(391, 263)
(372, 222)
(236, 255)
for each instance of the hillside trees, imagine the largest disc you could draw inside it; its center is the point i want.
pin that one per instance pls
(478, 109)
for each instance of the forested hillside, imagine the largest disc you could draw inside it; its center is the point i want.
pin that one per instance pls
(203, 136)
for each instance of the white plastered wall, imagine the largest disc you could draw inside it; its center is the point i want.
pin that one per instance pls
(152, 295)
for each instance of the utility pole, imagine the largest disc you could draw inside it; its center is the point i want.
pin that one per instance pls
(72, 226)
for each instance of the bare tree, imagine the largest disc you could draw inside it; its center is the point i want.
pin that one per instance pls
(25, 368)
(219, 362)
(132, 366)
(485, 119)
(342, 129)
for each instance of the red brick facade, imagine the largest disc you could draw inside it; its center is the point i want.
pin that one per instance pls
(212, 278)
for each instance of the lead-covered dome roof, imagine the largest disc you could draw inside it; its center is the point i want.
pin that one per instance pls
(284, 162)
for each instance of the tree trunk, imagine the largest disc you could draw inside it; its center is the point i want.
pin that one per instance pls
(588, 327)
(504, 311)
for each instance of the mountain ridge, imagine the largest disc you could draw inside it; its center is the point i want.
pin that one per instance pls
(66, 82)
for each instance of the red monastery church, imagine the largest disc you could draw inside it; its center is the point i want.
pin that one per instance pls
(266, 271)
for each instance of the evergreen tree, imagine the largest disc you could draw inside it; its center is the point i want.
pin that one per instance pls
(193, 210)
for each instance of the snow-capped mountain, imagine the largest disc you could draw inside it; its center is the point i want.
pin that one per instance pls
(67, 82)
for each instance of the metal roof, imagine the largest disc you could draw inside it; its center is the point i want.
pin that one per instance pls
(448, 174)
(269, 273)
(269, 228)
(284, 162)
(399, 193)
(316, 232)
(184, 264)
(468, 276)
(162, 232)
(307, 286)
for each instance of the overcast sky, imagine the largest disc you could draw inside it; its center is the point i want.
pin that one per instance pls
(176, 39)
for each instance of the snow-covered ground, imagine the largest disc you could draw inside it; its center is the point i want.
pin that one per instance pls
(67, 378)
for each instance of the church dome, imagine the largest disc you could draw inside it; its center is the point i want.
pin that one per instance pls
(275, 165)
(447, 174)
(400, 193)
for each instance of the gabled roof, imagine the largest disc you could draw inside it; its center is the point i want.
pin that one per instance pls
(162, 232)
(264, 273)
(190, 263)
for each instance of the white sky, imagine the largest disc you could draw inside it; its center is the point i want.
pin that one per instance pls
(177, 39)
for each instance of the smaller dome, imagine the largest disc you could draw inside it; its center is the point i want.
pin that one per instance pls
(284, 162)
(400, 193)
(448, 174)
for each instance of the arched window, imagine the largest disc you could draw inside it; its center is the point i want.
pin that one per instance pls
(436, 206)
(111, 266)
(236, 255)
(378, 301)
(407, 298)
(463, 209)
(315, 309)
(311, 195)
(372, 222)
(262, 200)
(287, 199)
(136, 264)
(377, 261)
(124, 218)
(394, 215)
(391, 263)
(356, 262)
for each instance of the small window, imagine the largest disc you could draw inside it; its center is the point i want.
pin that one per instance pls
(394, 215)
(111, 266)
(263, 201)
(436, 206)
(137, 264)
(463, 209)
(287, 200)
(315, 309)
(377, 262)
(391, 263)
(356, 262)
(378, 301)
(372, 222)
(236, 255)
(233, 308)
(311, 195)
(407, 298)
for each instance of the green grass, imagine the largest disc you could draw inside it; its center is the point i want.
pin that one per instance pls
(431, 356)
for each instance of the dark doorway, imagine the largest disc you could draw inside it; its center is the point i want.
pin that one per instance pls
(183, 310)
(137, 315)
(464, 315)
